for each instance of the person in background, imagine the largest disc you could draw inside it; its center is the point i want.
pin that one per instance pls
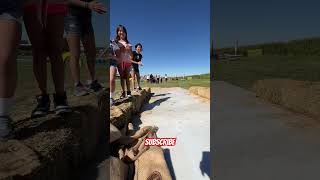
(78, 27)
(166, 77)
(148, 78)
(136, 61)
(151, 78)
(125, 57)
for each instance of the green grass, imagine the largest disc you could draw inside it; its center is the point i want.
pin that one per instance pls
(198, 80)
(201, 76)
(245, 71)
(27, 87)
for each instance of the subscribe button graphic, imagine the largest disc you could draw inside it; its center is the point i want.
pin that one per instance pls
(160, 141)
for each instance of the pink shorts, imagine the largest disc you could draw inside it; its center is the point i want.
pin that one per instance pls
(124, 69)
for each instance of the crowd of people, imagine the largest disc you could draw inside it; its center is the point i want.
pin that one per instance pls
(45, 23)
(155, 79)
(126, 62)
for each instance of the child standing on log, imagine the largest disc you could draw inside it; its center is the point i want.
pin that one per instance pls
(125, 56)
(114, 53)
(136, 61)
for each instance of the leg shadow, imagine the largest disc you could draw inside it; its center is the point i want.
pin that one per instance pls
(167, 157)
(164, 94)
(152, 105)
(205, 163)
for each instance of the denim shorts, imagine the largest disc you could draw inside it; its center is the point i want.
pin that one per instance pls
(135, 68)
(10, 10)
(113, 62)
(78, 25)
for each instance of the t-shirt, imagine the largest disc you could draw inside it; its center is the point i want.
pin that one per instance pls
(137, 58)
(80, 11)
(125, 54)
(113, 47)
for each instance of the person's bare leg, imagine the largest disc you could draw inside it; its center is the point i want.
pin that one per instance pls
(74, 47)
(37, 39)
(122, 79)
(128, 84)
(122, 82)
(54, 32)
(10, 34)
(88, 41)
(138, 78)
(128, 81)
(112, 81)
(133, 79)
(113, 72)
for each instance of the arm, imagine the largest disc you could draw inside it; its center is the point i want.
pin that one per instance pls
(134, 62)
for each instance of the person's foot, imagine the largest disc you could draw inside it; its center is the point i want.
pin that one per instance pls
(95, 86)
(43, 107)
(129, 94)
(60, 104)
(123, 95)
(6, 128)
(139, 88)
(80, 90)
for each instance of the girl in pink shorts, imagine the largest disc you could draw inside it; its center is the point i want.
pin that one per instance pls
(46, 37)
(124, 65)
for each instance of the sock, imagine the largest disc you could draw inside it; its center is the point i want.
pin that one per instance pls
(111, 95)
(5, 106)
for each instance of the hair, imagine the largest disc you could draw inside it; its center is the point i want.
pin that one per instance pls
(125, 31)
(138, 45)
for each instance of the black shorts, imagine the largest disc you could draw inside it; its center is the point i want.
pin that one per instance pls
(135, 69)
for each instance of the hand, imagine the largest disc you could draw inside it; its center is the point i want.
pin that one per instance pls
(140, 63)
(97, 7)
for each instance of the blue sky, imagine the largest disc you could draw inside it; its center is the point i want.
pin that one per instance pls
(257, 21)
(175, 34)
